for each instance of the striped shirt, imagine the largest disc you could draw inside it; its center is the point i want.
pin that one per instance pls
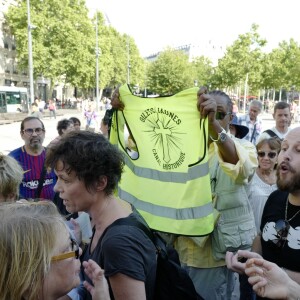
(245, 120)
(33, 166)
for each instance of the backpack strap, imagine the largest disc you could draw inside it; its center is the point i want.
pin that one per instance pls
(253, 133)
(154, 237)
(271, 133)
(41, 180)
(134, 222)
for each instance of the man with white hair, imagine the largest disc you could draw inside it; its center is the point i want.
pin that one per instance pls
(252, 121)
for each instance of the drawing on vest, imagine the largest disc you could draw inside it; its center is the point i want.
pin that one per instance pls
(163, 129)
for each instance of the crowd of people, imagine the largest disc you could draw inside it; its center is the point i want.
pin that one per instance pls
(59, 204)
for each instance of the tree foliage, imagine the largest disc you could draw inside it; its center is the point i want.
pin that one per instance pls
(243, 56)
(170, 73)
(64, 44)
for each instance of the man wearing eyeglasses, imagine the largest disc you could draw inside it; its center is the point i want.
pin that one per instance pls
(37, 182)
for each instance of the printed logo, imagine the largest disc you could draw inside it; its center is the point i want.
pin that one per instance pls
(165, 135)
(33, 184)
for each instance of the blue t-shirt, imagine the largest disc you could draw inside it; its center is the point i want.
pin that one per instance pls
(32, 166)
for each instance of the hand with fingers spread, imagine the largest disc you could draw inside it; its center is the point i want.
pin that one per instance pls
(99, 290)
(269, 280)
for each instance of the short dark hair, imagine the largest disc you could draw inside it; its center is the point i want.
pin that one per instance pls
(281, 105)
(63, 124)
(91, 156)
(75, 120)
(222, 94)
(256, 103)
(29, 119)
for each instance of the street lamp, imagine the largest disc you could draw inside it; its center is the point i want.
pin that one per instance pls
(97, 64)
(30, 62)
(128, 60)
(292, 89)
(245, 92)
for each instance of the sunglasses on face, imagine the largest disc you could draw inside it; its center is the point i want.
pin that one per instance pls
(221, 115)
(30, 131)
(269, 154)
(282, 228)
(73, 253)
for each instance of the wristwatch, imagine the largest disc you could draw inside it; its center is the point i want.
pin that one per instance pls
(222, 137)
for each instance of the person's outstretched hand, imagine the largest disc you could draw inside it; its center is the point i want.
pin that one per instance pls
(267, 279)
(99, 290)
(237, 261)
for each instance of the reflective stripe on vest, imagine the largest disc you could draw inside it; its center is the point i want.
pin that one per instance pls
(166, 175)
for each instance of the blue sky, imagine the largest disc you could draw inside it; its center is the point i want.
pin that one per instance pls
(157, 24)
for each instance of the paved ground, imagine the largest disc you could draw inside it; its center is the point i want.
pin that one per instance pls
(10, 129)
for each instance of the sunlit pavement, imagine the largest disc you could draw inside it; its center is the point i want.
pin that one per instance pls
(10, 133)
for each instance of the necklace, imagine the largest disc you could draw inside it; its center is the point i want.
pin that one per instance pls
(286, 208)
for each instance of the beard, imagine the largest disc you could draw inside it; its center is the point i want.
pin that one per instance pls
(35, 145)
(288, 185)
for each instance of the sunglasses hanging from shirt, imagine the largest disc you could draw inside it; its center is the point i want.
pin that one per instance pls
(282, 227)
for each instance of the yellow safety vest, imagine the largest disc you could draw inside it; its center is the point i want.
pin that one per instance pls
(166, 174)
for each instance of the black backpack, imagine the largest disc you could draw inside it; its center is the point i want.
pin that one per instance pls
(172, 281)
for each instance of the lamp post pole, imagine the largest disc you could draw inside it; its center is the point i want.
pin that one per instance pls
(245, 92)
(30, 62)
(97, 65)
(128, 60)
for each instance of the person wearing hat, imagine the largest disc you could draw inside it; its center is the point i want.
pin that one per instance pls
(239, 131)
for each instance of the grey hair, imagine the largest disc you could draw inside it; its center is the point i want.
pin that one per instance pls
(256, 103)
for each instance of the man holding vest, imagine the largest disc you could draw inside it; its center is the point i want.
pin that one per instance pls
(282, 117)
(231, 162)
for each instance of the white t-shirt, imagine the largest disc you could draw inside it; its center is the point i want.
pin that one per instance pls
(258, 193)
(265, 135)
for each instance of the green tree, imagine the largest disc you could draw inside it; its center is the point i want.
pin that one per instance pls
(170, 73)
(62, 40)
(203, 70)
(242, 57)
(64, 44)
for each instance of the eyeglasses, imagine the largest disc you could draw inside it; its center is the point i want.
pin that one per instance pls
(221, 115)
(30, 131)
(269, 154)
(282, 228)
(73, 253)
